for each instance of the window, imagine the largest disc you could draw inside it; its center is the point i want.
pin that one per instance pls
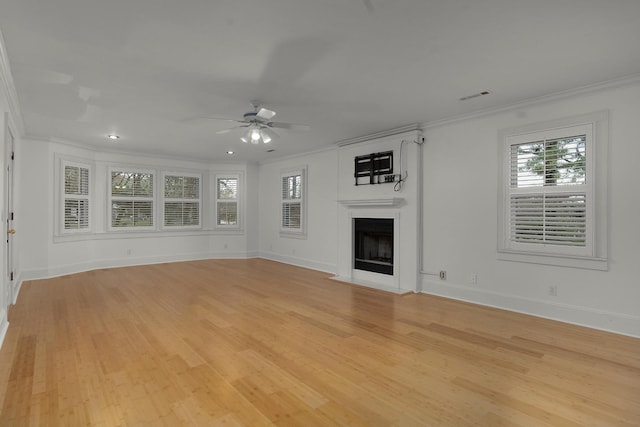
(227, 201)
(76, 197)
(182, 200)
(549, 191)
(132, 199)
(292, 203)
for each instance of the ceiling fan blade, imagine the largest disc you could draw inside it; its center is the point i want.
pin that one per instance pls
(290, 126)
(265, 114)
(272, 134)
(223, 131)
(222, 120)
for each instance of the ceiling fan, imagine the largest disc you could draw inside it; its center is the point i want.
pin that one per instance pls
(258, 125)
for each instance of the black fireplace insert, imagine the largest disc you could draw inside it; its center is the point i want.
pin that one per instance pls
(373, 245)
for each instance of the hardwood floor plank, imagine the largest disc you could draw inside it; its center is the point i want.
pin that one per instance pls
(259, 343)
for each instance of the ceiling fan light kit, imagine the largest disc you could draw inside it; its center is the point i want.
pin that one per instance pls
(255, 135)
(258, 126)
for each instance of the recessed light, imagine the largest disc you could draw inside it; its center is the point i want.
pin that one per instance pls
(113, 137)
(231, 152)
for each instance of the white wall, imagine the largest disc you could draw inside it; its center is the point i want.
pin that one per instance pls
(318, 249)
(45, 252)
(460, 218)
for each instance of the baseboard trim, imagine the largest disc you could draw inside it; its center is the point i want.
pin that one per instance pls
(299, 262)
(617, 323)
(372, 285)
(4, 327)
(17, 285)
(57, 271)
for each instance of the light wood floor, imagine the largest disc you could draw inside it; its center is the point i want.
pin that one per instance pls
(258, 343)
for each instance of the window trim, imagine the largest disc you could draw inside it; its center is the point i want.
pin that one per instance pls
(63, 196)
(161, 214)
(238, 200)
(152, 199)
(290, 232)
(594, 256)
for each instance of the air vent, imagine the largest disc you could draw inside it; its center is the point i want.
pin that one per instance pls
(271, 150)
(475, 95)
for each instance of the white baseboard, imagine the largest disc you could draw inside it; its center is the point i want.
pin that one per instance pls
(4, 326)
(372, 285)
(623, 324)
(62, 270)
(17, 285)
(299, 262)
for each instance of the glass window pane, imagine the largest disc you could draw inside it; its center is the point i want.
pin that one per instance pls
(131, 184)
(71, 180)
(191, 214)
(227, 188)
(173, 187)
(227, 213)
(173, 214)
(126, 213)
(551, 162)
(191, 188)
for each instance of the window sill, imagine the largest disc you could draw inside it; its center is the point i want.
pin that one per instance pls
(588, 263)
(120, 234)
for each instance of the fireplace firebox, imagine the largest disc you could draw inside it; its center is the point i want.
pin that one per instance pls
(373, 245)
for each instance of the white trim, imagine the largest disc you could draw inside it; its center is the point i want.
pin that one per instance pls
(372, 203)
(299, 262)
(589, 263)
(17, 286)
(618, 323)
(553, 97)
(4, 326)
(9, 88)
(594, 255)
(291, 232)
(153, 199)
(238, 200)
(62, 270)
(164, 200)
(63, 196)
(395, 132)
(373, 285)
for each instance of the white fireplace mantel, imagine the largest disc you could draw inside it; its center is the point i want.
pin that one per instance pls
(373, 203)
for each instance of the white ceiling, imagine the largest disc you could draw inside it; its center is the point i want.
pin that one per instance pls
(145, 69)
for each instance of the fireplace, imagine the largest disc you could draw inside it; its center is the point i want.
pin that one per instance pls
(373, 245)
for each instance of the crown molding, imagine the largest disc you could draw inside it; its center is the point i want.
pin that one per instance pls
(556, 96)
(8, 87)
(414, 127)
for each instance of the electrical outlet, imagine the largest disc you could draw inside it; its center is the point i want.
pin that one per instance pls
(443, 275)
(553, 290)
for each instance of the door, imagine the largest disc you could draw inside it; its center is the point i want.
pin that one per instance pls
(8, 214)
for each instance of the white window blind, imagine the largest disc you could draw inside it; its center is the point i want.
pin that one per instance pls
(292, 206)
(549, 195)
(181, 201)
(76, 197)
(132, 199)
(227, 201)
